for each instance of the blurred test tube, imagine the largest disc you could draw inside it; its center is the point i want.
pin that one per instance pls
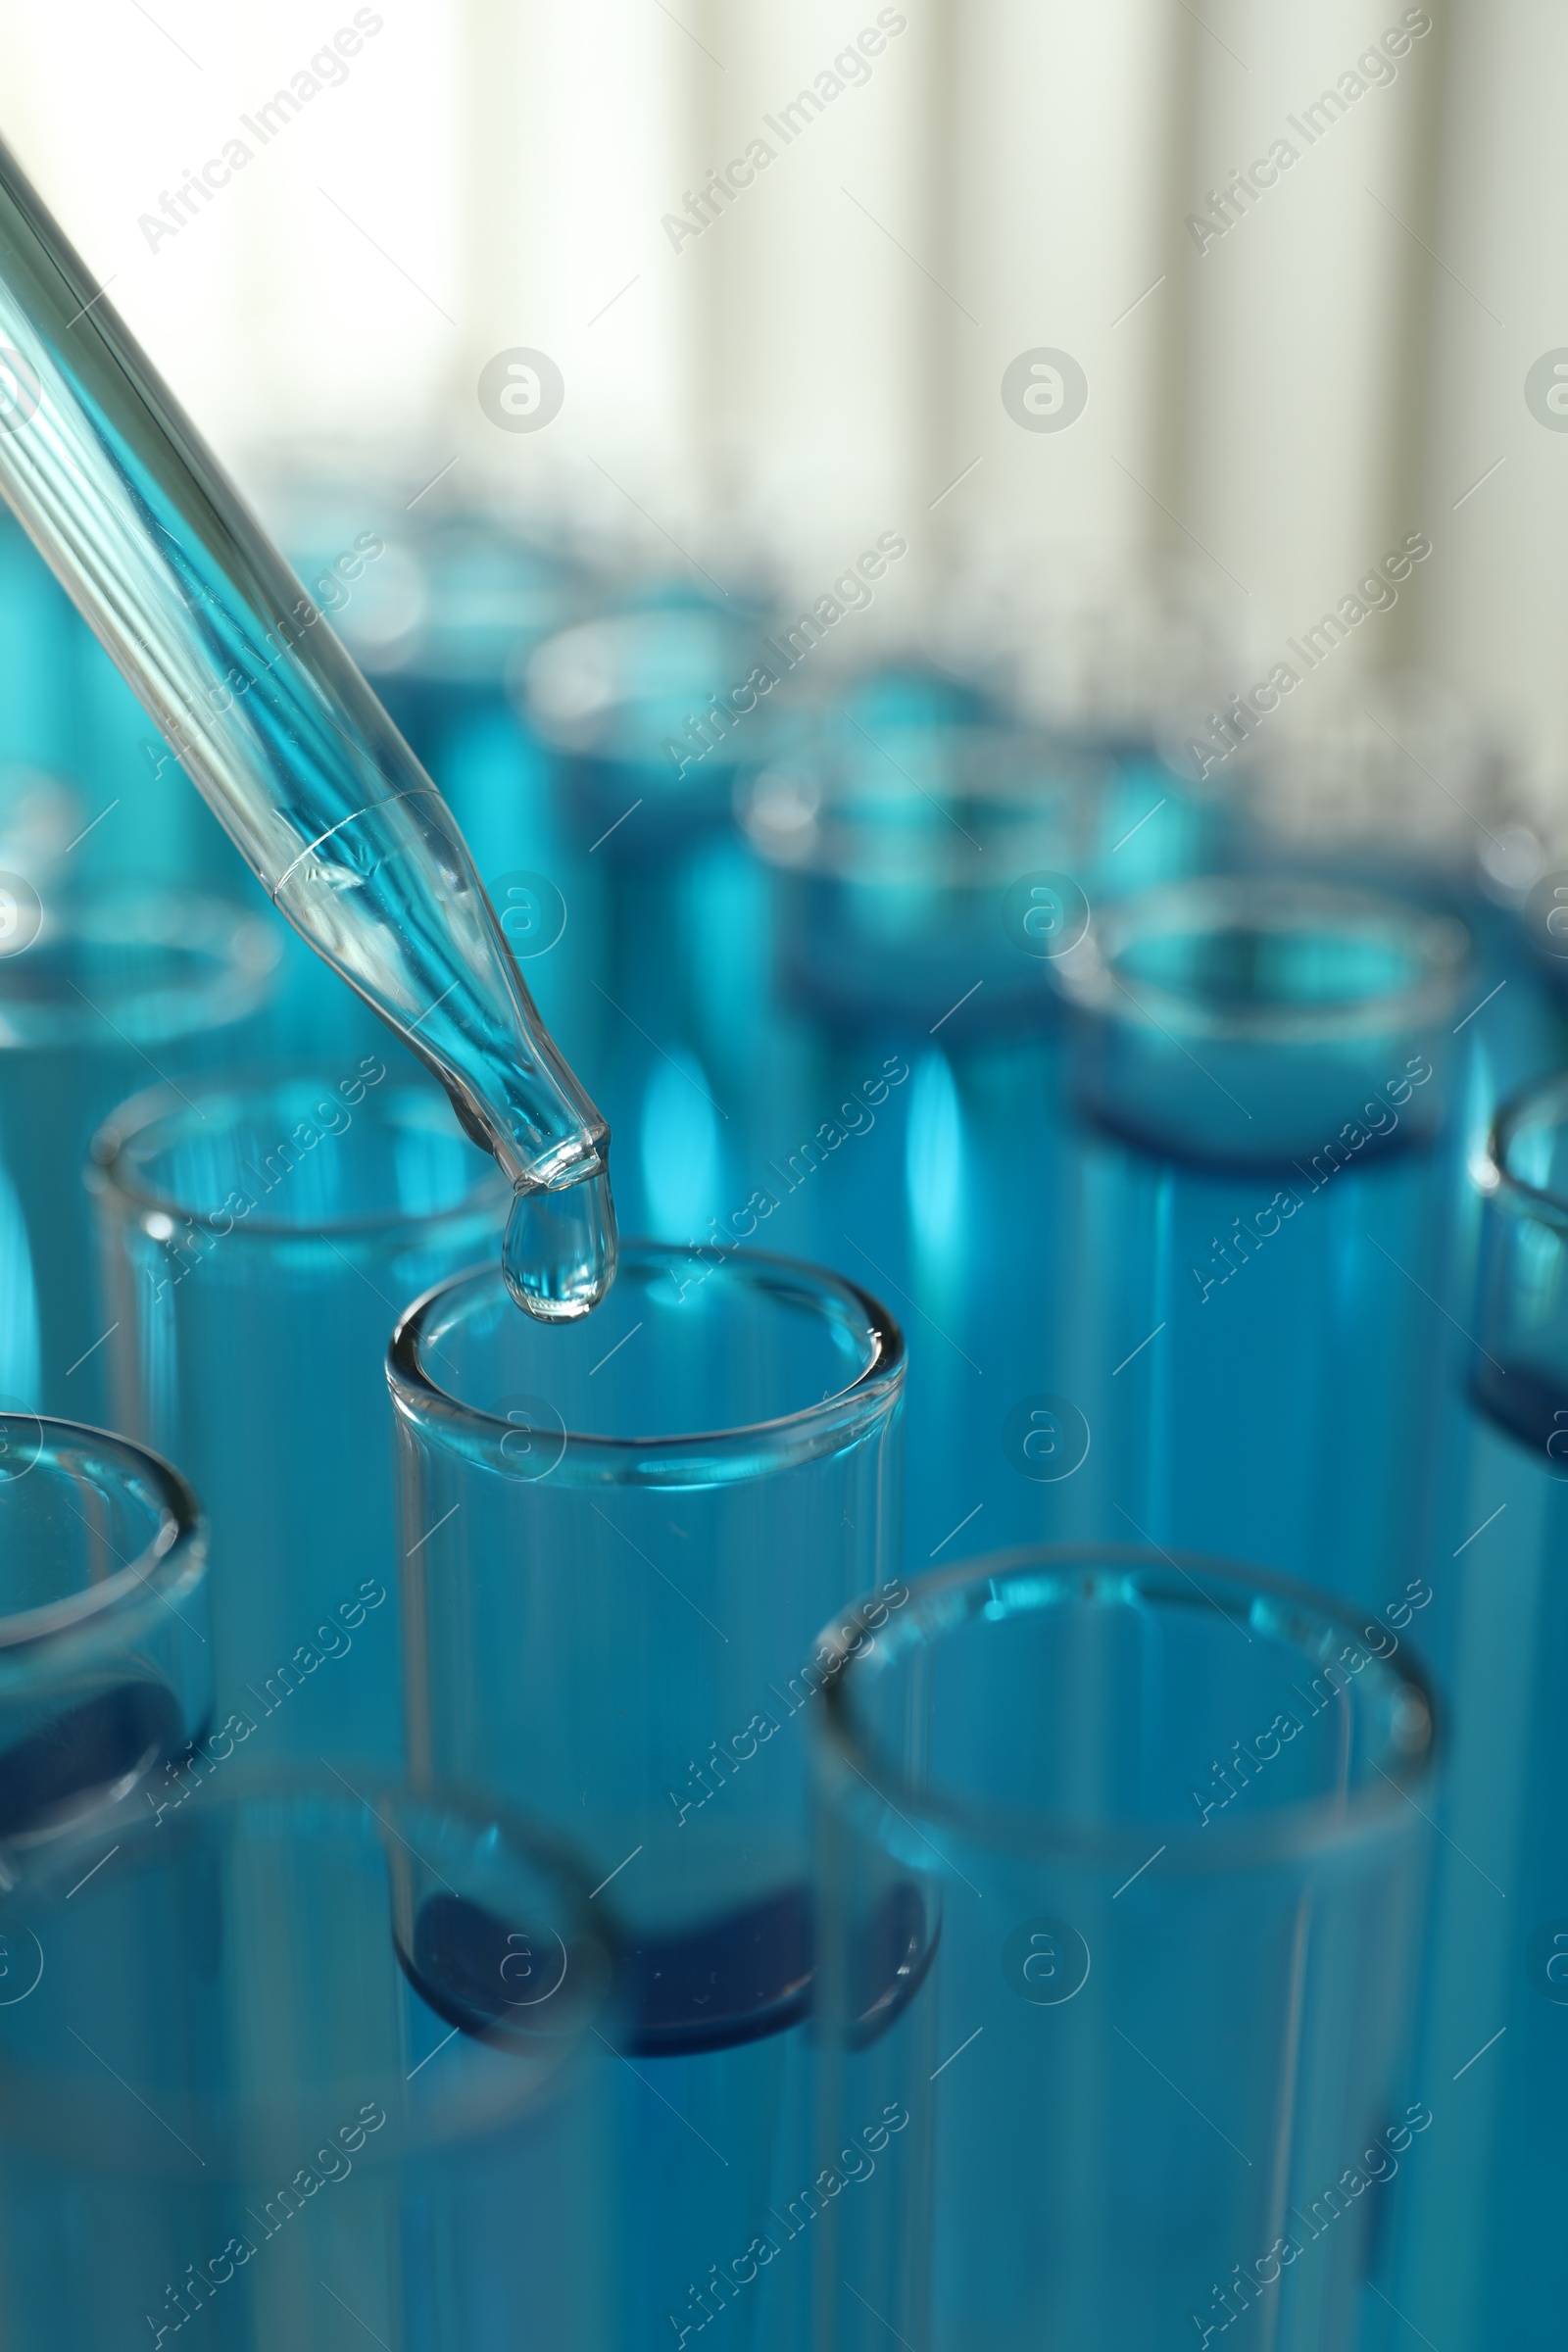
(647, 713)
(301, 2065)
(1479, 2248)
(101, 992)
(106, 1665)
(1255, 1264)
(260, 1239)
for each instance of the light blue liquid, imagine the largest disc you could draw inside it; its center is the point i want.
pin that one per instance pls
(255, 1240)
(272, 1983)
(1256, 1351)
(279, 731)
(617, 1625)
(1477, 2255)
(120, 989)
(1480, 2250)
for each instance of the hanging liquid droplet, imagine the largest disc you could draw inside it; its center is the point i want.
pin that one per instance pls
(560, 1248)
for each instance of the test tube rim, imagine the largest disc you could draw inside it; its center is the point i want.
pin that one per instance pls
(1498, 1180)
(106, 1172)
(301, 1789)
(828, 854)
(1440, 947)
(203, 919)
(1287, 1833)
(164, 1570)
(810, 1428)
(599, 734)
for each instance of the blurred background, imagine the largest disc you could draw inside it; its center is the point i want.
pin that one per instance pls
(820, 358)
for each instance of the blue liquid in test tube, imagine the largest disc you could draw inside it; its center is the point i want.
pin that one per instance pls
(105, 1654)
(931, 868)
(648, 713)
(257, 1235)
(306, 2064)
(102, 992)
(1479, 2251)
(1253, 1262)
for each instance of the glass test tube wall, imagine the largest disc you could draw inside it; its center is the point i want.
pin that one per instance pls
(100, 993)
(1142, 2076)
(1481, 2253)
(1391, 784)
(442, 621)
(302, 2066)
(619, 1540)
(106, 1671)
(1252, 1290)
(260, 1238)
(921, 1135)
(664, 912)
(77, 751)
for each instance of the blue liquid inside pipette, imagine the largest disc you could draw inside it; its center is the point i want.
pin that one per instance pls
(287, 743)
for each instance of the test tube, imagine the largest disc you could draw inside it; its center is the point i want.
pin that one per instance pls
(105, 1664)
(476, 596)
(923, 867)
(1495, 1627)
(259, 1239)
(100, 994)
(615, 1549)
(312, 2066)
(73, 732)
(1396, 780)
(928, 862)
(1397, 785)
(1142, 1831)
(645, 714)
(1257, 1293)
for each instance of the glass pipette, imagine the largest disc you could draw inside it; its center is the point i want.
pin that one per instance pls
(284, 739)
